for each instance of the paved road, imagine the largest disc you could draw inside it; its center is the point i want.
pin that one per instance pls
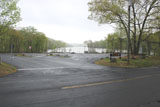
(50, 81)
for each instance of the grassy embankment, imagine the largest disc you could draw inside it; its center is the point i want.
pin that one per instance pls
(6, 69)
(134, 63)
(22, 55)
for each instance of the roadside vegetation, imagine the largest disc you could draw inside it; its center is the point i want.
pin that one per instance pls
(144, 26)
(27, 40)
(144, 23)
(144, 38)
(6, 69)
(22, 55)
(134, 63)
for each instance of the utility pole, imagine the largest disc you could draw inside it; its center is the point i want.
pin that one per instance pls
(129, 10)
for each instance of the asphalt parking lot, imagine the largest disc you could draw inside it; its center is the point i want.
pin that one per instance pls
(75, 81)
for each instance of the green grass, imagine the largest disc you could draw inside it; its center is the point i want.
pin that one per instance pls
(6, 69)
(22, 55)
(134, 63)
(148, 62)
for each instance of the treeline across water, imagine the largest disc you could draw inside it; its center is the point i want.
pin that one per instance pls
(26, 40)
(117, 42)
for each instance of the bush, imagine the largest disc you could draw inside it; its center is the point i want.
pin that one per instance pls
(113, 60)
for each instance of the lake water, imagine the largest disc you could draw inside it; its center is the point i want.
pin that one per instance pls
(77, 50)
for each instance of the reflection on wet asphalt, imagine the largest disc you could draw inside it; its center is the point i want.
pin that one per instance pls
(40, 80)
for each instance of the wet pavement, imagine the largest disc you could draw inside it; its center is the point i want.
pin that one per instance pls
(75, 81)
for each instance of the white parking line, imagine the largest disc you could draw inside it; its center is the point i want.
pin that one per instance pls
(26, 69)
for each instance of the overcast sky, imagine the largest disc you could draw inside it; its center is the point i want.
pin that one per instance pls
(64, 20)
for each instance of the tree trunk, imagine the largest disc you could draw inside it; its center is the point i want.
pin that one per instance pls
(143, 25)
(135, 32)
(120, 45)
(149, 48)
